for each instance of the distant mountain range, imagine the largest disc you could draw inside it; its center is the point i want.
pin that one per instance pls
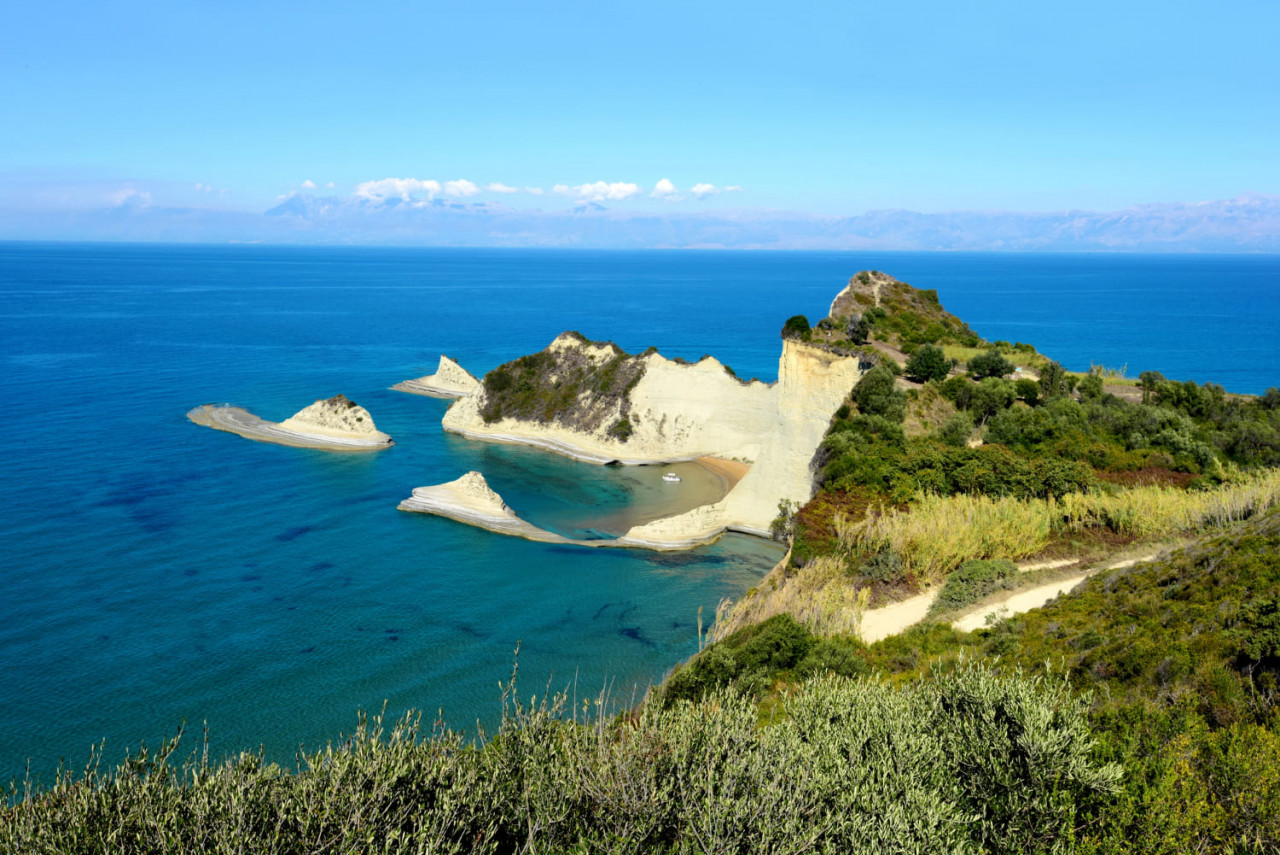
(1248, 223)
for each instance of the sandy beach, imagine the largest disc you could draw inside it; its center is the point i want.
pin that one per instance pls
(731, 471)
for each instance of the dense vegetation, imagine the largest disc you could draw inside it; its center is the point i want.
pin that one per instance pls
(971, 761)
(546, 386)
(1180, 659)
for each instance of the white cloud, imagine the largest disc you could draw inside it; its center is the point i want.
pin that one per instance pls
(499, 187)
(534, 191)
(461, 187)
(308, 185)
(329, 186)
(702, 191)
(397, 188)
(664, 189)
(599, 191)
(130, 196)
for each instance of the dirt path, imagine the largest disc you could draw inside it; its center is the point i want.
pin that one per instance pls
(1017, 602)
(894, 618)
(897, 617)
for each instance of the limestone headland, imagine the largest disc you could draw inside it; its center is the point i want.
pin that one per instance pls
(594, 402)
(335, 424)
(450, 380)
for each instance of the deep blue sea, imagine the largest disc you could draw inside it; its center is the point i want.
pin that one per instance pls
(155, 572)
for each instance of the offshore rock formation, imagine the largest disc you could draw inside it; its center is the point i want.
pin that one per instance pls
(336, 424)
(451, 380)
(591, 401)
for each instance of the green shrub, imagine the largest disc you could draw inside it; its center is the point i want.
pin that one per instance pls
(956, 430)
(876, 395)
(928, 363)
(957, 390)
(755, 654)
(989, 364)
(797, 326)
(973, 581)
(884, 566)
(622, 429)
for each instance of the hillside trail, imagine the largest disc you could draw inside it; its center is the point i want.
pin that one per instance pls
(897, 617)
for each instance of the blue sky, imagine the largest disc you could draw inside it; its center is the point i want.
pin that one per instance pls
(835, 108)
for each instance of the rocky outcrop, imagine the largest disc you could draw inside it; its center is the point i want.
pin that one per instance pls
(336, 424)
(450, 380)
(337, 416)
(471, 500)
(862, 292)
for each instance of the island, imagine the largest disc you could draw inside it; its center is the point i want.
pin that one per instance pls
(450, 380)
(335, 424)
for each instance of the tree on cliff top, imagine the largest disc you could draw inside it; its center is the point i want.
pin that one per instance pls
(928, 363)
(797, 326)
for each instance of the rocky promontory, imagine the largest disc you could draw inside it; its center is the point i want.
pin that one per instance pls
(450, 380)
(335, 424)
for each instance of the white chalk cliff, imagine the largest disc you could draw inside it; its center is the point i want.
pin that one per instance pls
(680, 411)
(450, 380)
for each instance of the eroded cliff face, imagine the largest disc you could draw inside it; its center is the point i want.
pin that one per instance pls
(338, 416)
(812, 384)
(590, 400)
(678, 411)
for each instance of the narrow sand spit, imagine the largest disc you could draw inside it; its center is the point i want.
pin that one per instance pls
(472, 501)
(244, 423)
(450, 380)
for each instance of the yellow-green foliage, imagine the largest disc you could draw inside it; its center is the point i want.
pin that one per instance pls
(939, 533)
(818, 595)
(1155, 511)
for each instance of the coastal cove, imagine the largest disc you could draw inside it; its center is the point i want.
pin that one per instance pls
(272, 591)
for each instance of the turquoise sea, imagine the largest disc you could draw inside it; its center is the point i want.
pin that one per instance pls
(154, 572)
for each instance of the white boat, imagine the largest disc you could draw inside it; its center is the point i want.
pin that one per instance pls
(671, 477)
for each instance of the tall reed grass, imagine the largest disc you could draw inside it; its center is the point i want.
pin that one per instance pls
(818, 595)
(938, 534)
